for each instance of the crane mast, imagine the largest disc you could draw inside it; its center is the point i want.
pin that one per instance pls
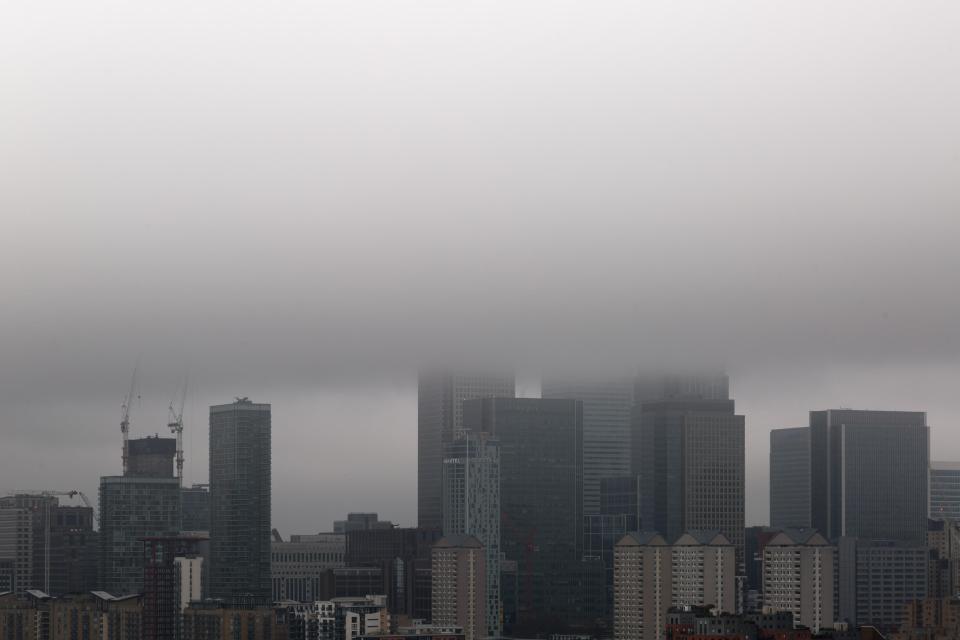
(125, 419)
(176, 427)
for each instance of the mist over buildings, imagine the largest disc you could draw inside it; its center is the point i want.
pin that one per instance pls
(305, 204)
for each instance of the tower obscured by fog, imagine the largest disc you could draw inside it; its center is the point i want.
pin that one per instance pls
(688, 450)
(541, 467)
(606, 429)
(439, 416)
(240, 463)
(790, 478)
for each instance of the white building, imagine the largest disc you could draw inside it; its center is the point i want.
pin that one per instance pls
(650, 575)
(799, 569)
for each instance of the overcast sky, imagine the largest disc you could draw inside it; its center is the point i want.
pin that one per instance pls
(302, 202)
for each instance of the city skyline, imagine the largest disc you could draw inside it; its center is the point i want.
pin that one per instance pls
(400, 505)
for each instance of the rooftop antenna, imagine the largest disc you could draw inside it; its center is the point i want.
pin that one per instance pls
(176, 427)
(125, 417)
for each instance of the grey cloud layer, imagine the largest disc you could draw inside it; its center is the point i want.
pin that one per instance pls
(303, 203)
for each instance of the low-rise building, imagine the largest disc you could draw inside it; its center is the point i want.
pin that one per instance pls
(298, 566)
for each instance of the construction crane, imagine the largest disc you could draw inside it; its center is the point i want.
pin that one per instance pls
(176, 426)
(125, 418)
(73, 493)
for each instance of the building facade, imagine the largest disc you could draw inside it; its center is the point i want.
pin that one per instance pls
(299, 565)
(459, 586)
(945, 491)
(607, 406)
(691, 465)
(540, 500)
(799, 573)
(401, 555)
(869, 474)
(651, 575)
(439, 416)
(790, 478)
(240, 467)
(144, 503)
(471, 506)
(195, 508)
(878, 579)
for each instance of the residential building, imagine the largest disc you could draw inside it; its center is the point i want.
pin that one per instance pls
(690, 455)
(945, 490)
(869, 474)
(790, 478)
(17, 547)
(607, 404)
(799, 573)
(240, 460)
(459, 585)
(141, 504)
(46, 545)
(471, 507)
(299, 564)
(540, 502)
(163, 583)
(651, 575)
(246, 618)
(439, 416)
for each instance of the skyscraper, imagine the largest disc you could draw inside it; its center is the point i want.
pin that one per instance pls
(540, 499)
(606, 429)
(439, 416)
(691, 464)
(869, 474)
(790, 478)
(240, 462)
(945, 491)
(471, 507)
(143, 503)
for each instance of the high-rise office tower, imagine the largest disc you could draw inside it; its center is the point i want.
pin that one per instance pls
(681, 386)
(606, 429)
(691, 465)
(790, 478)
(240, 500)
(471, 506)
(143, 503)
(540, 499)
(869, 474)
(459, 586)
(945, 491)
(439, 416)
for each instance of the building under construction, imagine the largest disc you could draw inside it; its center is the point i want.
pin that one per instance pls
(142, 503)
